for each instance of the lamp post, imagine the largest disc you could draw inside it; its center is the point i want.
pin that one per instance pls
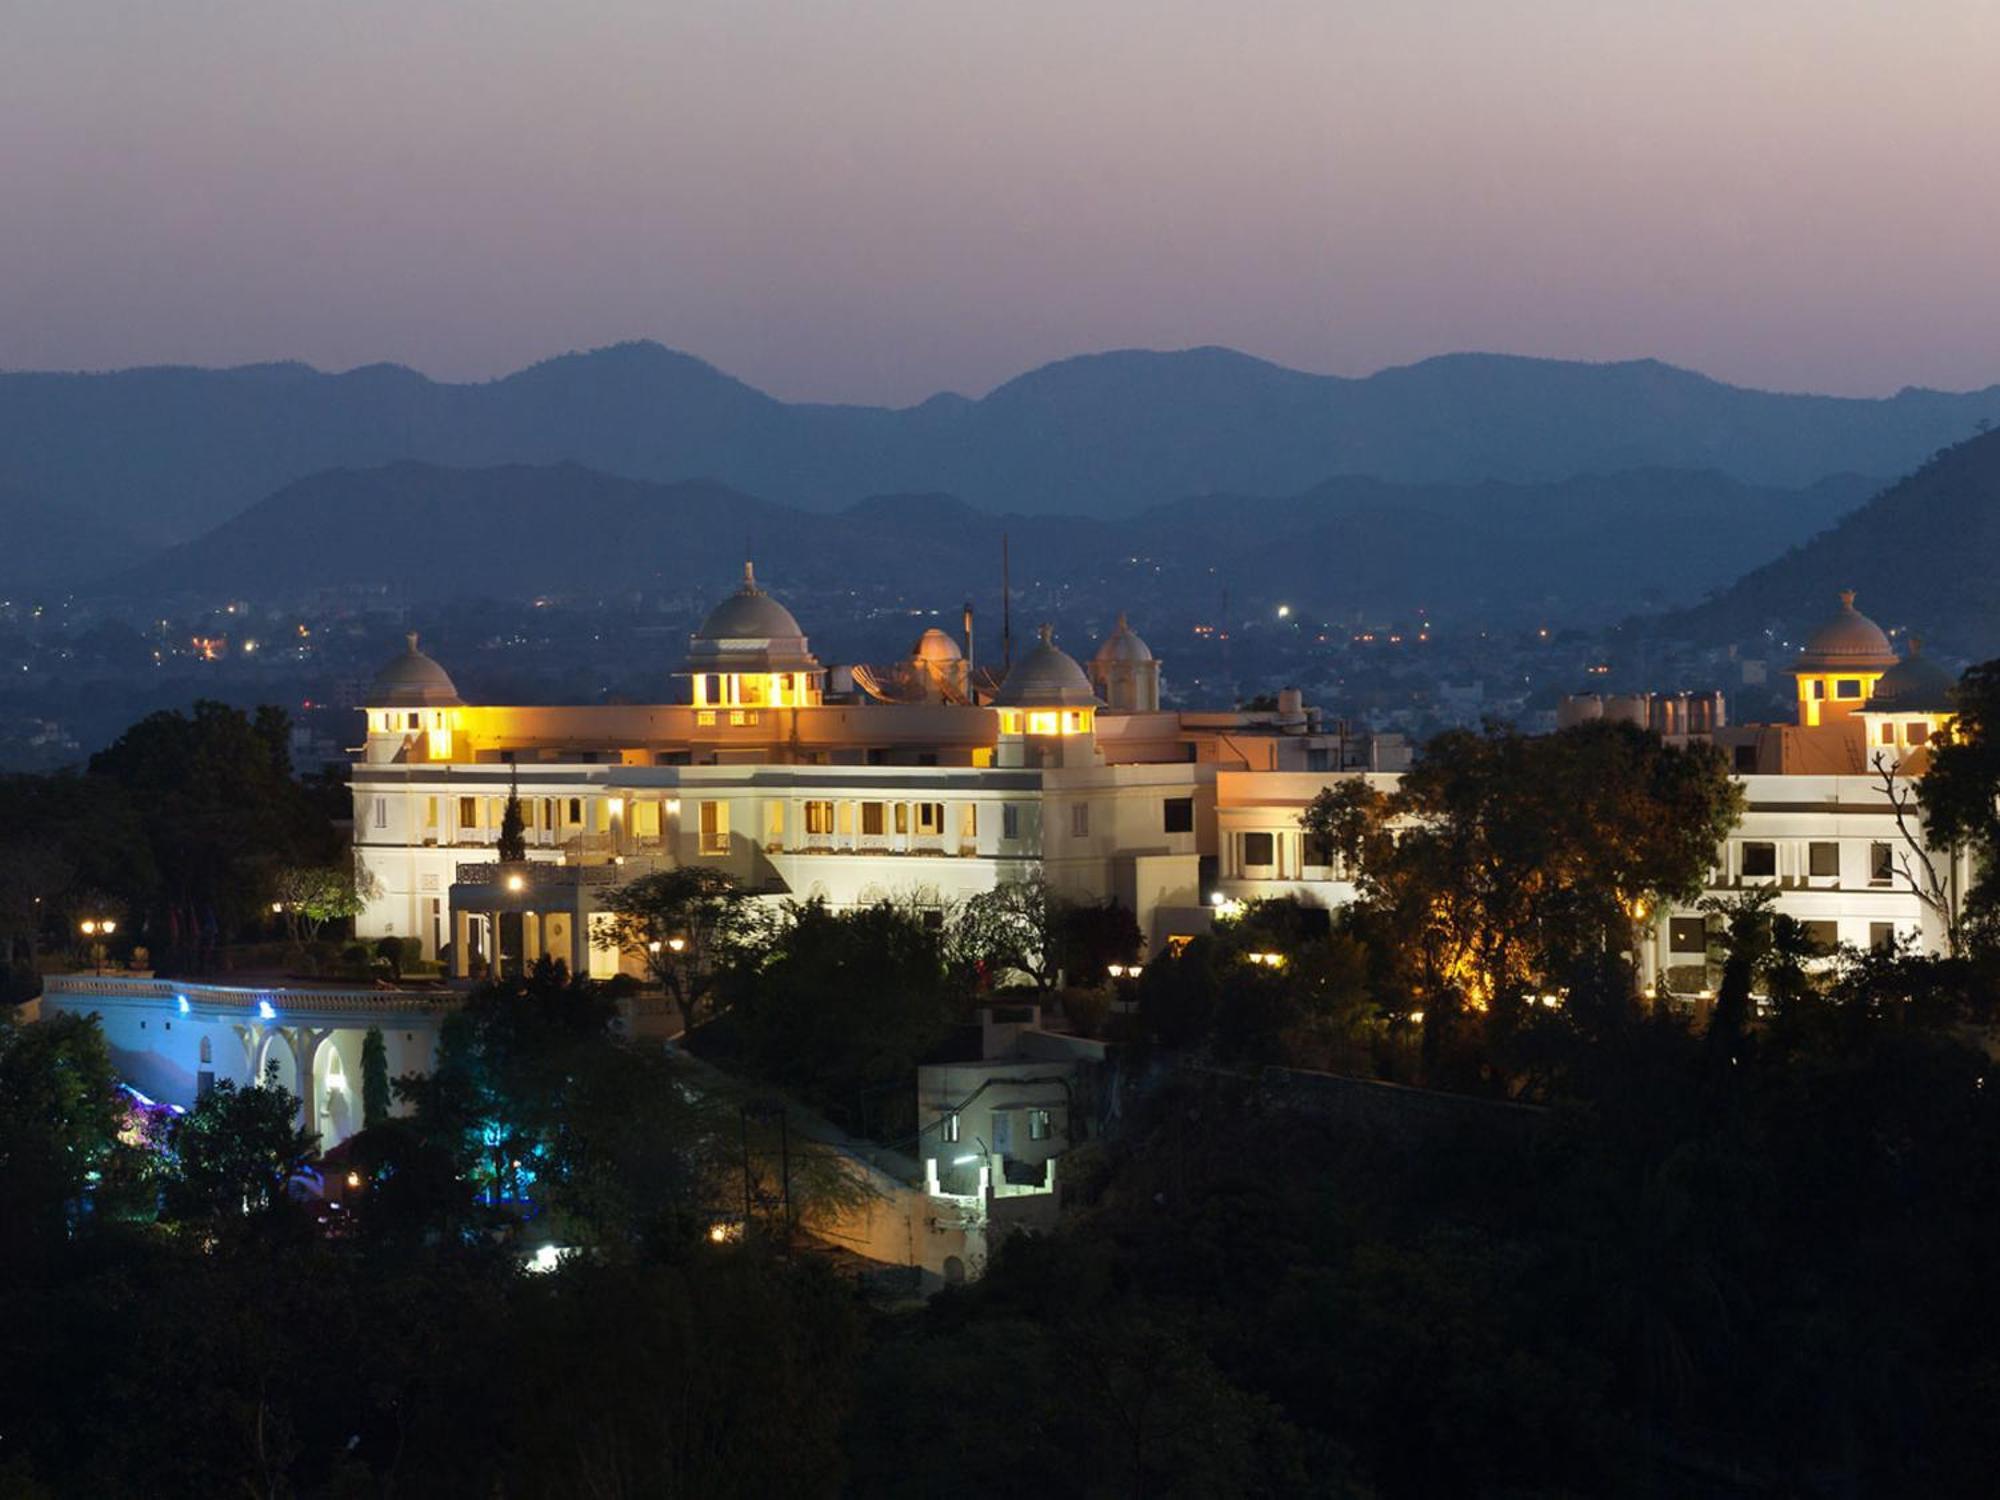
(95, 929)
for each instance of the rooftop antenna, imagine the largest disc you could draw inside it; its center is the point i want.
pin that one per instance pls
(1006, 612)
(969, 662)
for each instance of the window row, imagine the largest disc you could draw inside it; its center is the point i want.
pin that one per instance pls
(1757, 859)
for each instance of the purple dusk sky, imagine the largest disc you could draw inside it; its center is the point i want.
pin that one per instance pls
(870, 200)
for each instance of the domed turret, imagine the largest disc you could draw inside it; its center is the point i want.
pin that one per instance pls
(413, 680)
(1048, 711)
(1916, 684)
(751, 653)
(1850, 641)
(1125, 671)
(1047, 677)
(936, 647)
(1840, 663)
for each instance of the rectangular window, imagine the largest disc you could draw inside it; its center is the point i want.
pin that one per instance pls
(1882, 936)
(930, 818)
(1317, 850)
(871, 819)
(1823, 858)
(1918, 733)
(1177, 815)
(1881, 864)
(948, 1127)
(576, 809)
(468, 812)
(774, 822)
(415, 721)
(902, 817)
(381, 812)
(1079, 820)
(715, 828)
(1687, 934)
(846, 818)
(1259, 849)
(1847, 687)
(645, 820)
(1003, 1130)
(1038, 1124)
(1824, 936)
(1746, 760)
(704, 718)
(1760, 859)
(1010, 820)
(819, 817)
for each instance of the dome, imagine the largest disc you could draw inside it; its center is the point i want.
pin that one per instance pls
(1122, 645)
(1916, 684)
(413, 680)
(1047, 677)
(936, 648)
(1849, 642)
(750, 632)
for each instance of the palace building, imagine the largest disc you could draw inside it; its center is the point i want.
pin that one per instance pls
(931, 778)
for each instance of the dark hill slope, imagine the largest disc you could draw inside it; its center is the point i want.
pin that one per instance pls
(1925, 553)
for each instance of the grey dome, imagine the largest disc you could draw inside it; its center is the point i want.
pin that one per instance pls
(1122, 645)
(750, 632)
(1916, 684)
(1848, 642)
(1047, 677)
(936, 647)
(413, 680)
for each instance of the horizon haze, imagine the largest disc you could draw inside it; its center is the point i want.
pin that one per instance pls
(879, 202)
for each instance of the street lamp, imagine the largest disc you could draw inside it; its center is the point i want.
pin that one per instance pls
(96, 928)
(677, 943)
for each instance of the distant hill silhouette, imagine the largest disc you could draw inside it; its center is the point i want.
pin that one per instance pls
(1595, 545)
(169, 452)
(1923, 554)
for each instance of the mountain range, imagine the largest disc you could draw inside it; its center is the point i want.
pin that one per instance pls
(166, 453)
(1586, 547)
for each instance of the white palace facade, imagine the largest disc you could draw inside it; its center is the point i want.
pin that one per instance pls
(924, 782)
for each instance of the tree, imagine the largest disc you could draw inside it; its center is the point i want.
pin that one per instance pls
(60, 1115)
(314, 895)
(1504, 862)
(1917, 862)
(684, 925)
(1014, 927)
(235, 1151)
(375, 1092)
(216, 805)
(511, 847)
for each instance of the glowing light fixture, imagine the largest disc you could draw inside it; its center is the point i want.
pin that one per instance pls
(265, 1012)
(516, 883)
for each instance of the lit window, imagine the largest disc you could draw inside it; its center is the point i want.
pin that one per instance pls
(846, 818)
(871, 820)
(930, 819)
(1882, 936)
(705, 719)
(819, 817)
(1044, 721)
(1824, 936)
(948, 1127)
(1919, 733)
(968, 821)
(715, 828)
(902, 817)
(1038, 1124)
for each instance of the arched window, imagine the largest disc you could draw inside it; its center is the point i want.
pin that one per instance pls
(207, 1050)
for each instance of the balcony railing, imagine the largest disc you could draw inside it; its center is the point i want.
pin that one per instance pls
(277, 999)
(543, 876)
